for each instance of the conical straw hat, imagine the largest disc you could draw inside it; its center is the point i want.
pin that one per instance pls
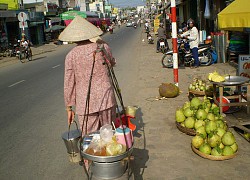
(78, 30)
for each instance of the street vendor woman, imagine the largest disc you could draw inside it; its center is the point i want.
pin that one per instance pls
(78, 67)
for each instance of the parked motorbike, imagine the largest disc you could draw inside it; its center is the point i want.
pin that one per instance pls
(163, 47)
(18, 50)
(110, 29)
(14, 48)
(150, 38)
(185, 55)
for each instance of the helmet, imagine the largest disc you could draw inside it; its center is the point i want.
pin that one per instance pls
(209, 37)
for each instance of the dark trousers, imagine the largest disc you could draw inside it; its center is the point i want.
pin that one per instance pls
(158, 44)
(195, 55)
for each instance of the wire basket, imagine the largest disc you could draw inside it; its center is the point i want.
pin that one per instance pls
(200, 93)
(190, 132)
(211, 157)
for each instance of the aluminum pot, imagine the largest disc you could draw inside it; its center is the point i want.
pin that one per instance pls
(71, 139)
(110, 170)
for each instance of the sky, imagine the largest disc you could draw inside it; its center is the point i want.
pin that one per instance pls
(126, 3)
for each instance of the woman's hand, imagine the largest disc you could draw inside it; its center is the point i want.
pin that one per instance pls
(113, 62)
(71, 116)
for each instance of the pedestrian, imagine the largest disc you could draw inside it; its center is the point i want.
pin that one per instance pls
(119, 23)
(192, 35)
(161, 35)
(79, 63)
(141, 22)
(146, 25)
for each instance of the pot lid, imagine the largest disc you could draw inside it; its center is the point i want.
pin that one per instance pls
(233, 80)
(71, 135)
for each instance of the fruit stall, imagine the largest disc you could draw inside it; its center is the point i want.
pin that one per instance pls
(204, 115)
(239, 98)
(212, 138)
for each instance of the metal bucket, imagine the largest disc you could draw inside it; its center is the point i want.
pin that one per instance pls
(71, 139)
(131, 110)
(110, 170)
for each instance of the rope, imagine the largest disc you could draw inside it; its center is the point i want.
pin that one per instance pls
(118, 93)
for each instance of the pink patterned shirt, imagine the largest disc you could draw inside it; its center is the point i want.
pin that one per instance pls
(78, 65)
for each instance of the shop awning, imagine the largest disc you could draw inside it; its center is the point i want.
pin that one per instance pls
(235, 17)
(55, 28)
(36, 23)
(54, 19)
(69, 15)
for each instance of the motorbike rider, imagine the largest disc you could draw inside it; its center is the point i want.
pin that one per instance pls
(192, 35)
(150, 38)
(161, 35)
(141, 22)
(146, 26)
(110, 28)
(25, 43)
(134, 24)
(119, 23)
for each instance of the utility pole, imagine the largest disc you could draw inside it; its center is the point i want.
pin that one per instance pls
(174, 40)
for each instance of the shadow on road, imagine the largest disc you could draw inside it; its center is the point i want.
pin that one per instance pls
(140, 155)
(35, 59)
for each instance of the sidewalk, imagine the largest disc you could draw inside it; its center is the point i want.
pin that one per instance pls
(36, 50)
(161, 150)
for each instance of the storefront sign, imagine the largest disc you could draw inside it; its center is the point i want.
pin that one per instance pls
(3, 6)
(156, 25)
(244, 66)
(51, 7)
(7, 14)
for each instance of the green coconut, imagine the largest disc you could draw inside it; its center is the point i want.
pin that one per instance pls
(168, 90)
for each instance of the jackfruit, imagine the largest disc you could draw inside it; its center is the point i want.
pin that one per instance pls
(216, 77)
(168, 90)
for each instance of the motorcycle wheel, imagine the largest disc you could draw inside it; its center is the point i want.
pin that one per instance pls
(206, 59)
(167, 60)
(29, 56)
(7, 53)
(20, 57)
(163, 49)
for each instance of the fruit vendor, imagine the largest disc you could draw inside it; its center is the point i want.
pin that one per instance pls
(78, 67)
